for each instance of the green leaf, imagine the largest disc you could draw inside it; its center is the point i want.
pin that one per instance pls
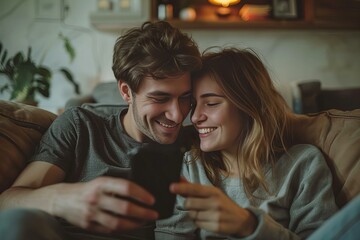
(9, 69)
(68, 47)
(42, 82)
(3, 58)
(31, 94)
(43, 91)
(29, 54)
(23, 79)
(44, 71)
(69, 77)
(18, 58)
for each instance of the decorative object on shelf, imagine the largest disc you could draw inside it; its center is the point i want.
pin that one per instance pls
(26, 78)
(224, 10)
(252, 12)
(105, 5)
(285, 9)
(125, 14)
(188, 14)
(165, 11)
(168, 9)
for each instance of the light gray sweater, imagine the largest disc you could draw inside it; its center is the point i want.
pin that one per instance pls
(300, 199)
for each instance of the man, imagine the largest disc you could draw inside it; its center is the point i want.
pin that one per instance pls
(68, 179)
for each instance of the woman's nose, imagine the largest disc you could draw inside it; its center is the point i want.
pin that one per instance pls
(197, 115)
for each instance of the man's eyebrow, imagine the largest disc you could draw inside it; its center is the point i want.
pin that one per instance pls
(157, 94)
(165, 94)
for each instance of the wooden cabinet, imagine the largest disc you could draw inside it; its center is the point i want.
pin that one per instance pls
(337, 13)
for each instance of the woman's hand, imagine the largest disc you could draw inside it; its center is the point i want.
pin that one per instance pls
(212, 210)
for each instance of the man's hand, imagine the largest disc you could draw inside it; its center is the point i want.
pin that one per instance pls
(101, 205)
(212, 210)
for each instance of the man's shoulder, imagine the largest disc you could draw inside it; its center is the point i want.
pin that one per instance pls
(93, 112)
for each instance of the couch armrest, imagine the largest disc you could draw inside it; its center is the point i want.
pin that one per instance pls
(78, 101)
(21, 128)
(337, 134)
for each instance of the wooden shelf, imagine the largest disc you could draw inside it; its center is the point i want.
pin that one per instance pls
(316, 15)
(263, 25)
(248, 25)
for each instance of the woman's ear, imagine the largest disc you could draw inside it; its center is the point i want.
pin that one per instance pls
(125, 91)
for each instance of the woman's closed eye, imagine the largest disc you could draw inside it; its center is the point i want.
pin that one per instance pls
(212, 104)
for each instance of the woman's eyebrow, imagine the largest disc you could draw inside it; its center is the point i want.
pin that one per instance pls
(205, 95)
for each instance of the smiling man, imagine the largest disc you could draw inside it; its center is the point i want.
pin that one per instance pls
(75, 186)
(158, 108)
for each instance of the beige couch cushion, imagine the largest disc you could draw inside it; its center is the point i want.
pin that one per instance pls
(21, 127)
(337, 134)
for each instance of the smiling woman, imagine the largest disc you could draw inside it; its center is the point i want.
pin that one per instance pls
(241, 169)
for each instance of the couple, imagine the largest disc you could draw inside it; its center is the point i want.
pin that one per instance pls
(246, 182)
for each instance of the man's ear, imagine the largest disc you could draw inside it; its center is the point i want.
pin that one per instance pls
(125, 91)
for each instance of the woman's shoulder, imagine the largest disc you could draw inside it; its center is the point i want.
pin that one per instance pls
(303, 156)
(305, 151)
(193, 169)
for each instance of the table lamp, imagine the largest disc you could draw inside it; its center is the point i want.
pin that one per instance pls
(224, 10)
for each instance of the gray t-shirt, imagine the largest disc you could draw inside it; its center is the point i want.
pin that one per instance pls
(300, 199)
(87, 145)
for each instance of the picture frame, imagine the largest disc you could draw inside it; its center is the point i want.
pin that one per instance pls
(285, 9)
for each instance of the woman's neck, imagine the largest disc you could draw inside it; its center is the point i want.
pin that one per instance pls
(231, 161)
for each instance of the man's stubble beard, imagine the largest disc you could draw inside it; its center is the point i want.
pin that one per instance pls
(140, 123)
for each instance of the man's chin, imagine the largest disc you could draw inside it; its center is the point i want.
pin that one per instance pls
(166, 140)
(167, 137)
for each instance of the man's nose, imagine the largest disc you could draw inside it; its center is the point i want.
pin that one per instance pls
(174, 112)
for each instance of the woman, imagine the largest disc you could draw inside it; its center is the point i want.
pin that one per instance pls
(245, 182)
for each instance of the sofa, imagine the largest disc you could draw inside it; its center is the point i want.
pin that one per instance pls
(310, 97)
(336, 133)
(103, 93)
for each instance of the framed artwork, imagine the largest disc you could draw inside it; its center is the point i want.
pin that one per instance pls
(284, 9)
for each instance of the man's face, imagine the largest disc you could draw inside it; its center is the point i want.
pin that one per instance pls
(159, 108)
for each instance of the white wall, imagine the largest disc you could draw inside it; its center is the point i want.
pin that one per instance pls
(291, 55)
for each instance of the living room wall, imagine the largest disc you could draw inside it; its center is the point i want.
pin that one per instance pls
(290, 55)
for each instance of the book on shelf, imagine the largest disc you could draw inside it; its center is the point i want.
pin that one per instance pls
(251, 12)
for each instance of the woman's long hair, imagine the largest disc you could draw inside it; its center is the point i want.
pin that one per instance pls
(247, 84)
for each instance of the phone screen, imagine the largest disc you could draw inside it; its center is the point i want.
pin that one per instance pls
(155, 167)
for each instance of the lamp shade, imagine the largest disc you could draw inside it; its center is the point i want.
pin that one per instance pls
(224, 3)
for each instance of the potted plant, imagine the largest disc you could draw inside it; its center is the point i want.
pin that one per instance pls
(25, 78)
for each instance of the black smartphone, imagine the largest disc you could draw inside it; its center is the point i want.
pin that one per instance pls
(155, 167)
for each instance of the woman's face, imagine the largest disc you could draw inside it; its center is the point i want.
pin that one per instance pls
(216, 119)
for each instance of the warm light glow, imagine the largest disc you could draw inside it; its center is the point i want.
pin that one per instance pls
(224, 3)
